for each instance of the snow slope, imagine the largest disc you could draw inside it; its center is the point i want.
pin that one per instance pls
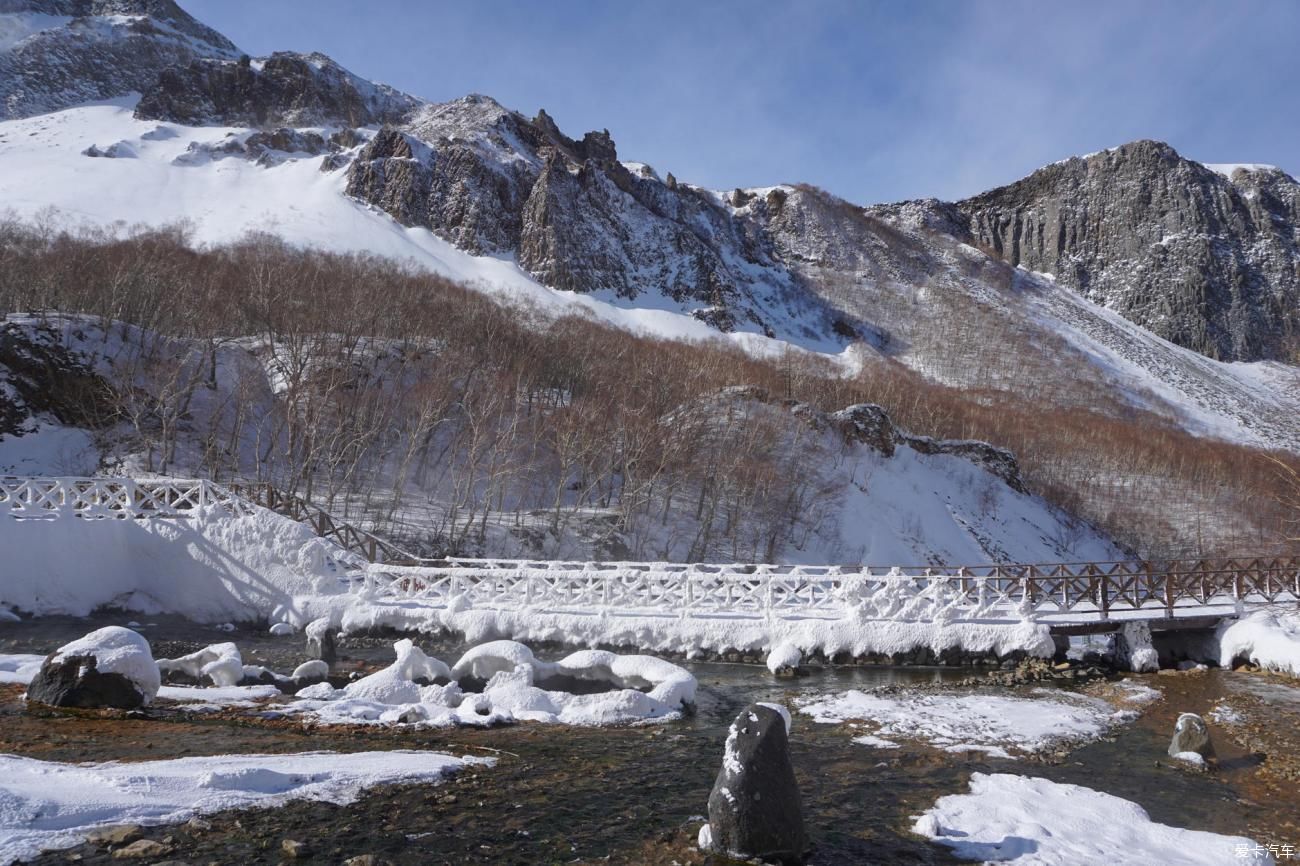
(224, 199)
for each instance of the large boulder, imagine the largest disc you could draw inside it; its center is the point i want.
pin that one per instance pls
(111, 667)
(1191, 735)
(754, 809)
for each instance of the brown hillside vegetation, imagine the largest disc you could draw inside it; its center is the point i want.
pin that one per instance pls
(497, 401)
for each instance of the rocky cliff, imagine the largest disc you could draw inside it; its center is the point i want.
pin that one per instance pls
(1208, 259)
(285, 89)
(59, 53)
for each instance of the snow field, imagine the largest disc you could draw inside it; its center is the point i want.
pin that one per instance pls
(1023, 820)
(1001, 726)
(48, 805)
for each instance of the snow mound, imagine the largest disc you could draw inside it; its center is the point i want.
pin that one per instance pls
(220, 662)
(118, 650)
(640, 688)
(786, 656)
(48, 805)
(1269, 639)
(1017, 819)
(998, 725)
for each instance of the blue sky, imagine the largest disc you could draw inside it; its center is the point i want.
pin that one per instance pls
(875, 101)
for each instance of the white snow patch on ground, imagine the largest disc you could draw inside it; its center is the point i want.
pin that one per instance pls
(45, 805)
(1267, 638)
(239, 696)
(997, 724)
(1022, 820)
(1228, 169)
(1132, 692)
(20, 668)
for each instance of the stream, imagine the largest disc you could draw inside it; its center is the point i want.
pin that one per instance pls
(637, 794)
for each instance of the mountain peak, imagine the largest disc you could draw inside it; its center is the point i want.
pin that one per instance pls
(1198, 254)
(58, 53)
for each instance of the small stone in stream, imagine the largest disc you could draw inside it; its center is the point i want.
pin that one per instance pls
(120, 834)
(293, 849)
(365, 860)
(1191, 734)
(197, 823)
(320, 641)
(754, 809)
(142, 848)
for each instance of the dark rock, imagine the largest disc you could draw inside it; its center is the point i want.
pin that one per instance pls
(998, 461)
(1206, 261)
(866, 423)
(755, 809)
(74, 681)
(285, 89)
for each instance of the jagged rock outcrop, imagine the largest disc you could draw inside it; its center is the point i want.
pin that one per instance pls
(1208, 261)
(866, 423)
(285, 89)
(492, 181)
(49, 64)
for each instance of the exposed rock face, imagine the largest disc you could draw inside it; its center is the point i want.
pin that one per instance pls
(754, 809)
(998, 461)
(39, 377)
(89, 56)
(1191, 734)
(866, 423)
(1207, 261)
(285, 89)
(492, 181)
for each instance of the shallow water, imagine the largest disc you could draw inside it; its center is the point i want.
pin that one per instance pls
(634, 794)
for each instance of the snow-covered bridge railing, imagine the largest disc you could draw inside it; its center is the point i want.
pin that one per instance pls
(1060, 592)
(50, 498)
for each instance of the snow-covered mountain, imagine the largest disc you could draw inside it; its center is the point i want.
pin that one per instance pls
(1025, 290)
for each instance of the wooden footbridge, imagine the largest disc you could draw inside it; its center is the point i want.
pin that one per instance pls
(1073, 598)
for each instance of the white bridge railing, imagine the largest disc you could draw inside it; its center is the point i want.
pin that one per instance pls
(1058, 591)
(48, 498)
